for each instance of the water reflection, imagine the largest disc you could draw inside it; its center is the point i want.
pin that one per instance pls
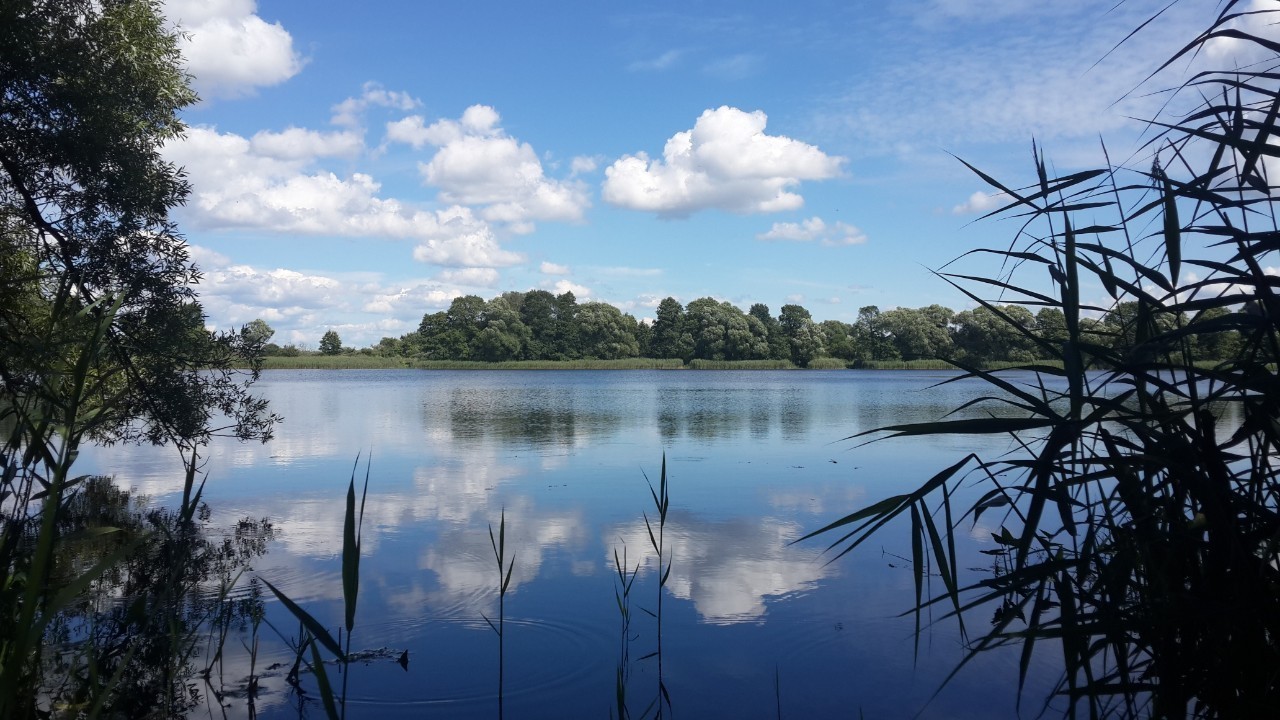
(728, 568)
(756, 461)
(463, 563)
(538, 416)
(138, 638)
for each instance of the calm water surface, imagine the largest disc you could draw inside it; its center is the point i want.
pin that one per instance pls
(755, 460)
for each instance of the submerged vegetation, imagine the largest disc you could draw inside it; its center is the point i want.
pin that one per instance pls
(1139, 533)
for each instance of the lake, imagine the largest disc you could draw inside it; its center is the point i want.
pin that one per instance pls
(753, 626)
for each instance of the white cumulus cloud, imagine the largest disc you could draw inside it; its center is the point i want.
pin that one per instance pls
(348, 112)
(237, 182)
(726, 161)
(476, 163)
(296, 143)
(812, 229)
(473, 277)
(550, 268)
(981, 202)
(564, 286)
(412, 300)
(228, 49)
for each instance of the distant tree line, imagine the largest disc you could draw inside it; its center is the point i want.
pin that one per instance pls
(538, 325)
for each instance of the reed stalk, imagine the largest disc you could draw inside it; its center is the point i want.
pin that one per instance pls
(499, 545)
(1139, 533)
(313, 634)
(662, 503)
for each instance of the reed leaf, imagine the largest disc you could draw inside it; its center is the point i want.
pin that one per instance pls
(324, 687)
(313, 626)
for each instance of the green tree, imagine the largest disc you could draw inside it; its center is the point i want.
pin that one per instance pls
(779, 347)
(331, 343)
(538, 312)
(708, 324)
(1051, 326)
(390, 347)
(1128, 326)
(257, 332)
(503, 336)
(605, 333)
(922, 333)
(803, 335)
(567, 345)
(89, 92)
(838, 338)
(1212, 341)
(871, 337)
(101, 333)
(671, 338)
(644, 337)
(982, 336)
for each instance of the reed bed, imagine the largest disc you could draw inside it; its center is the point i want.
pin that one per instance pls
(335, 362)
(930, 364)
(828, 363)
(373, 362)
(699, 364)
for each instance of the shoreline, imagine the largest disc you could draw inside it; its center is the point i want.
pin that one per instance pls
(367, 362)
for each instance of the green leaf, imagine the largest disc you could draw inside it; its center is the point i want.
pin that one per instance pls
(313, 626)
(322, 683)
(350, 558)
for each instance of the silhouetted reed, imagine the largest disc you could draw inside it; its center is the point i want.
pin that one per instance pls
(1139, 535)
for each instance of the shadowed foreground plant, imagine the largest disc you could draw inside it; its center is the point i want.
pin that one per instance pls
(661, 502)
(622, 596)
(1141, 513)
(504, 581)
(316, 634)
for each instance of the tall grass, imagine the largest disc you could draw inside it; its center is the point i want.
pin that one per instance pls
(700, 364)
(1139, 535)
(905, 365)
(334, 362)
(827, 363)
(372, 362)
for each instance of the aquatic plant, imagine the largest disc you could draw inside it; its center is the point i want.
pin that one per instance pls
(499, 545)
(314, 634)
(622, 596)
(1140, 526)
(662, 503)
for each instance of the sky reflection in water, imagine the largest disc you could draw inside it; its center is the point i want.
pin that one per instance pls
(755, 460)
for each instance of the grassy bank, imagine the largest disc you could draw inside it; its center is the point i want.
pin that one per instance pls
(373, 362)
(699, 364)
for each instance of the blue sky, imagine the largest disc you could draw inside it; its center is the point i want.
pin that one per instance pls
(355, 166)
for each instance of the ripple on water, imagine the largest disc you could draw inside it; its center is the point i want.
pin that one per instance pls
(453, 662)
